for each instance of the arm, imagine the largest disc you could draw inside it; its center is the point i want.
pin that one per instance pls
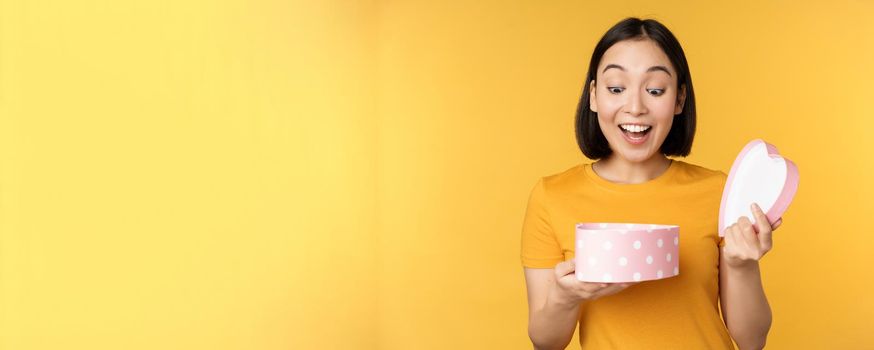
(551, 321)
(551, 318)
(745, 307)
(554, 298)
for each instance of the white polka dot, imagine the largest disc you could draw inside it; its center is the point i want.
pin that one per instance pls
(668, 257)
(676, 240)
(676, 271)
(660, 274)
(592, 261)
(649, 259)
(603, 225)
(608, 278)
(637, 276)
(608, 245)
(636, 244)
(660, 242)
(623, 261)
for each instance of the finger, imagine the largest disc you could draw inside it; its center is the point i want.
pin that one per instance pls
(730, 239)
(762, 222)
(743, 222)
(626, 285)
(776, 224)
(592, 287)
(612, 288)
(763, 225)
(744, 226)
(747, 236)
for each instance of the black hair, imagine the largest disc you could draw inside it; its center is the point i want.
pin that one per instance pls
(679, 140)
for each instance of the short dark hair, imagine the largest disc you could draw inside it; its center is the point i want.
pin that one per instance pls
(679, 140)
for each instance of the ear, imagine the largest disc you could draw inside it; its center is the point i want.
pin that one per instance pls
(681, 100)
(592, 105)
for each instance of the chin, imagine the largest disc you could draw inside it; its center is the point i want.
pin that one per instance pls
(637, 156)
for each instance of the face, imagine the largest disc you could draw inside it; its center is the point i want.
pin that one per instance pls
(636, 97)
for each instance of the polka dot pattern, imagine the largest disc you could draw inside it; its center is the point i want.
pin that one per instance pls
(626, 252)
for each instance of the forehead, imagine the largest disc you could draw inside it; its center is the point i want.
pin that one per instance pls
(636, 56)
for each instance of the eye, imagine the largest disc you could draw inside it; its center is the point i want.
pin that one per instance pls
(656, 92)
(614, 89)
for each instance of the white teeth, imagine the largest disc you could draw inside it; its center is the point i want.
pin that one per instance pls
(635, 128)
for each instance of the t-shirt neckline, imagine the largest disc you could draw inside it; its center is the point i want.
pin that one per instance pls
(664, 177)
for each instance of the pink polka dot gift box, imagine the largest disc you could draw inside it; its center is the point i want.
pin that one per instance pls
(626, 252)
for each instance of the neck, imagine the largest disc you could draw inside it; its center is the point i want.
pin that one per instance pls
(619, 170)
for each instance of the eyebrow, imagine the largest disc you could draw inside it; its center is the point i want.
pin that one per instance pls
(651, 69)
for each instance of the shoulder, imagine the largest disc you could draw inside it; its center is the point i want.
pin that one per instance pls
(690, 173)
(555, 184)
(561, 179)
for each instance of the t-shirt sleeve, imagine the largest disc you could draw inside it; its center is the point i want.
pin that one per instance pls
(723, 177)
(540, 248)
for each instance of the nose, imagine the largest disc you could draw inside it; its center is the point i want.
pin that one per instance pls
(634, 105)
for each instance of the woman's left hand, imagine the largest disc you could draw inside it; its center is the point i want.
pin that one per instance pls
(745, 243)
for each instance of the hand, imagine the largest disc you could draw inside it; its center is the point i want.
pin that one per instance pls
(745, 243)
(569, 290)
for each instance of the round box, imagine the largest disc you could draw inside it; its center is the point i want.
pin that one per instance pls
(626, 252)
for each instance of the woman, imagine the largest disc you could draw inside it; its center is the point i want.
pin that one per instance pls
(638, 108)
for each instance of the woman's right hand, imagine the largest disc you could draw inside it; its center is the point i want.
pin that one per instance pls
(570, 291)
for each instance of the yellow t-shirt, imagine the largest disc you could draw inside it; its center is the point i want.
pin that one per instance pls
(679, 312)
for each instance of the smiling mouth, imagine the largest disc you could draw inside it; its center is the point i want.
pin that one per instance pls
(635, 135)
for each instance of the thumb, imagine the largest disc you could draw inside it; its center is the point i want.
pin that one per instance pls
(564, 268)
(762, 224)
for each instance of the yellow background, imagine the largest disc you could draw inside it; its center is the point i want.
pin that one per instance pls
(353, 174)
